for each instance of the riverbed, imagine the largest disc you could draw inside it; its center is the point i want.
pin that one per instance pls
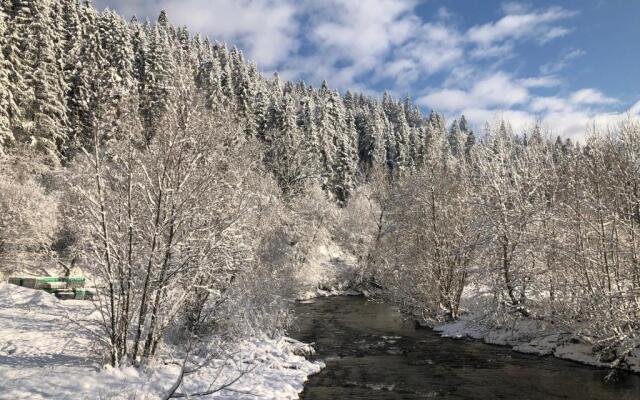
(372, 353)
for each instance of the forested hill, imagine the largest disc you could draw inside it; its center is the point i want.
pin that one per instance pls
(66, 67)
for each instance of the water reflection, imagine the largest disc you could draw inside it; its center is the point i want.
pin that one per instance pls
(371, 353)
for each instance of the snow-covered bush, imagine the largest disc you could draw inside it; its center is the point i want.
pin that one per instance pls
(28, 213)
(174, 225)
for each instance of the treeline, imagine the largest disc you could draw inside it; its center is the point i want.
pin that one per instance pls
(521, 227)
(66, 67)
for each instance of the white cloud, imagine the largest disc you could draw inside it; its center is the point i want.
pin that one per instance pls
(591, 96)
(363, 31)
(554, 33)
(500, 96)
(562, 62)
(497, 90)
(572, 124)
(513, 7)
(447, 99)
(518, 24)
(434, 47)
(545, 104)
(493, 51)
(540, 82)
(444, 14)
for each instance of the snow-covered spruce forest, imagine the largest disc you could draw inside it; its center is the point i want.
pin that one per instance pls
(192, 189)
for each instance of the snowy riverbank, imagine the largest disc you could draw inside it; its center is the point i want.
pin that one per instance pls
(46, 352)
(533, 337)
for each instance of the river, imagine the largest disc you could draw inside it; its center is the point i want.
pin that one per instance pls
(372, 353)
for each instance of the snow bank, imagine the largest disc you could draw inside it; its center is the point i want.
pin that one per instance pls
(532, 337)
(20, 297)
(46, 353)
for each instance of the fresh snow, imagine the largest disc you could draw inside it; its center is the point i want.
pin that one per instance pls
(532, 337)
(328, 271)
(47, 352)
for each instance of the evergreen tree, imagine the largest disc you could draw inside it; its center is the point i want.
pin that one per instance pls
(226, 77)
(18, 50)
(344, 170)
(140, 47)
(245, 77)
(457, 139)
(438, 143)
(470, 143)
(403, 160)
(261, 112)
(307, 125)
(43, 105)
(420, 145)
(9, 110)
(82, 96)
(158, 79)
(208, 81)
(328, 120)
(116, 81)
(464, 125)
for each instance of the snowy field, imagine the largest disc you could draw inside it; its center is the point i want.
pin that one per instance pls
(46, 353)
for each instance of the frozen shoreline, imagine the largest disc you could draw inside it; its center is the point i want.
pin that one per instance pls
(43, 355)
(533, 337)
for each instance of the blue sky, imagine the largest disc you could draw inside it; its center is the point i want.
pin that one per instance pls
(567, 63)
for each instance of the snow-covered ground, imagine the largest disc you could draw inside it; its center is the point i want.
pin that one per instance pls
(329, 271)
(46, 352)
(533, 337)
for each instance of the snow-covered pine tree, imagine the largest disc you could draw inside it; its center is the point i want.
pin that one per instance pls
(8, 108)
(327, 111)
(226, 76)
(345, 168)
(420, 145)
(401, 160)
(412, 113)
(470, 143)
(371, 145)
(244, 79)
(17, 50)
(307, 126)
(470, 139)
(402, 131)
(116, 82)
(81, 98)
(158, 79)
(463, 124)
(457, 139)
(261, 111)
(285, 146)
(140, 46)
(438, 143)
(208, 81)
(269, 100)
(46, 113)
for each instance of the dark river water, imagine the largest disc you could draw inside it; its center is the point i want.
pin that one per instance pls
(371, 353)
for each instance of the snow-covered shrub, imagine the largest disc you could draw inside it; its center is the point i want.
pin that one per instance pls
(28, 213)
